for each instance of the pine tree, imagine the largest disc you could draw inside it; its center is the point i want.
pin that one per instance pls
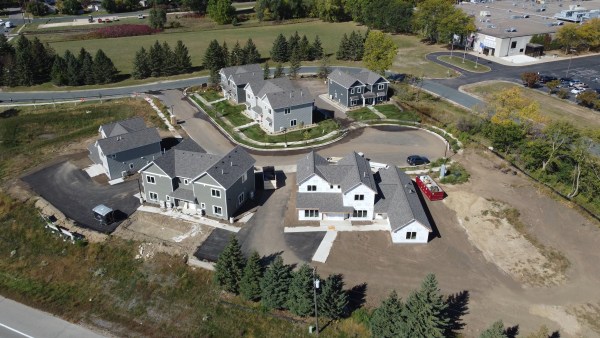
(300, 299)
(155, 57)
(42, 61)
(229, 266)
(342, 53)
(251, 53)
(494, 331)
(24, 62)
(141, 64)
(58, 73)
(316, 51)
(266, 71)
(250, 283)
(104, 69)
(333, 300)
(73, 68)
(237, 57)
(225, 55)
(324, 68)
(278, 70)
(293, 45)
(213, 57)
(305, 48)
(168, 58)
(387, 320)
(274, 285)
(294, 64)
(356, 46)
(87, 67)
(425, 309)
(182, 61)
(279, 50)
(158, 18)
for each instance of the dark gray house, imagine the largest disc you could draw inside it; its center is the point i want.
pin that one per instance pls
(125, 146)
(358, 88)
(234, 79)
(187, 178)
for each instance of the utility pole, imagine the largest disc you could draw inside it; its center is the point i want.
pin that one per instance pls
(569, 67)
(315, 287)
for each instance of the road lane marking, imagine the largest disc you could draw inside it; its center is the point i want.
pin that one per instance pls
(17, 331)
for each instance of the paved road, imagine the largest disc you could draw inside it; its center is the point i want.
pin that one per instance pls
(21, 321)
(451, 94)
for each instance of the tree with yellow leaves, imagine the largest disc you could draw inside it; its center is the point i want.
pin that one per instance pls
(511, 106)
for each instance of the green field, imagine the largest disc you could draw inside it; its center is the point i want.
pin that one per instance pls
(324, 127)
(210, 94)
(362, 114)
(465, 64)
(232, 113)
(392, 112)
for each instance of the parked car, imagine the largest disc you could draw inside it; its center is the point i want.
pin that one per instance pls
(417, 160)
(100, 20)
(547, 78)
(141, 16)
(576, 91)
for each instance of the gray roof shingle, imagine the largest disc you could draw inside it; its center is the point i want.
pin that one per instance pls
(368, 77)
(289, 98)
(183, 194)
(228, 169)
(228, 71)
(342, 78)
(128, 141)
(347, 78)
(123, 127)
(324, 202)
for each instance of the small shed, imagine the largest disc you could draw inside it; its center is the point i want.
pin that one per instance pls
(534, 50)
(103, 214)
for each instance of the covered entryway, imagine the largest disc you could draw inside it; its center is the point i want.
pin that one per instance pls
(334, 216)
(183, 199)
(368, 98)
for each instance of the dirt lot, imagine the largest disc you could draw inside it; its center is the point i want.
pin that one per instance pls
(500, 270)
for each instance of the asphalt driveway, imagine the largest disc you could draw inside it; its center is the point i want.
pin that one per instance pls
(75, 194)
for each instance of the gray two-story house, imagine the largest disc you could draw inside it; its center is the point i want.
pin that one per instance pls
(234, 79)
(187, 178)
(125, 146)
(359, 88)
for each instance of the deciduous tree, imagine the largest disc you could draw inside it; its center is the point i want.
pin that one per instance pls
(530, 79)
(266, 71)
(221, 11)
(380, 51)
(294, 64)
(158, 17)
(278, 70)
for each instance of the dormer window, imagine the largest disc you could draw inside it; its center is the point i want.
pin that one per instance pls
(381, 86)
(351, 90)
(186, 181)
(358, 89)
(286, 111)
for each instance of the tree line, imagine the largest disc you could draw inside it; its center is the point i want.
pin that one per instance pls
(577, 37)
(218, 56)
(352, 48)
(161, 60)
(69, 70)
(284, 49)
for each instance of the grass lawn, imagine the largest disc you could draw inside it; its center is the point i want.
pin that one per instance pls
(411, 58)
(467, 65)
(29, 136)
(392, 112)
(232, 113)
(550, 106)
(323, 128)
(362, 114)
(210, 94)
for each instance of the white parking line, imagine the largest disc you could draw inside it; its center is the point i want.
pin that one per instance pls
(16, 331)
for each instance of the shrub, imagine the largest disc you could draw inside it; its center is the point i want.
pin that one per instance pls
(563, 93)
(37, 8)
(122, 31)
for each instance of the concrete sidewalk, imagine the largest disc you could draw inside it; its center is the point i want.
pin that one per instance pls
(188, 217)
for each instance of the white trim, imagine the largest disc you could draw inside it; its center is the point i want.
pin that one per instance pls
(202, 205)
(150, 196)
(151, 163)
(352, 90)
(244, 176)
(210, 185)
(295, 122)
(380, 86)
(186, 181)
(215, 190)
(215, 210)
(153, 179)
(168, 198)
(243, 198)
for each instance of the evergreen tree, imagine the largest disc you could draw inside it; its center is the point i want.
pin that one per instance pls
(104, 69)
(494, 331)
(42, 61)
(300, 299)
(168, 58)
(251, 53)
(293, 45)
(333, 300)
(158, 18)
(213, 57)
(24, 62)
(387, 320)
(425, 309)
(274, 285)
(305, 48)
(237, 57)
(343, 50)
(86, 63)
(266, 71)
(73, 69)
(279, 50)
(278, 70)
(250, 283)
(58, 73)
(294, 64)
(9, 77)
(324, 68)
(225, 55)
(155, 56)
(141, 64)
(182, 61)
(229, 266)
(356, 46)
(316, 51)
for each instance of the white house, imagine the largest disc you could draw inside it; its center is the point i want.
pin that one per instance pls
(349, 189)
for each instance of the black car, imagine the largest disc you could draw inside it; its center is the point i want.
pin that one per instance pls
(416, 160)
(547, 78)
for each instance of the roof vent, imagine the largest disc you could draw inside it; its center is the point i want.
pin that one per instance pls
(222, 172)
(232, 163)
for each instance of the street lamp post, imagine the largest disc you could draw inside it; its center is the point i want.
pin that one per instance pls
(316, 283)
(569, 66)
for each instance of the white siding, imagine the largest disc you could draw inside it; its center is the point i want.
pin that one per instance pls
(322, 185)
(334, 216)
(415, 226)
(302, 218)
(366, 204)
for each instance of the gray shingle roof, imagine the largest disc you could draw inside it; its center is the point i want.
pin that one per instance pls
(368, 77)
(128, 141)
(289, 98)
(360, 172)
(324, 202)
(342, 78)
(307, 165)
(228, 169)
(228, 71)
(123, 127)
(183, 194)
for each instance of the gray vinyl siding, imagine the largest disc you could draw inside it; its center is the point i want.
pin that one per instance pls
(236, 189)
(342, 93)
(203, 195)
(178, 183)
(139, 157)
(162, 187)
(240, 94)
(356, 96)
(380, 92)
(302, 114)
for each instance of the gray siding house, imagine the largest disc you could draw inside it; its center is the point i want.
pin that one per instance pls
(234, 79)
(358, 88)
(187, 178)
(125, 146)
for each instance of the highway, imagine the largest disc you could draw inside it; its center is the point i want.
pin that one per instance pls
(21, 321)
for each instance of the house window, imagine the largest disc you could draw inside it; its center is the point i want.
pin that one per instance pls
(513, 44)
(351, 90)
(331, 186)
(339, 186)
(353, 102)
(359, 213)
(153, 196)
(217, 210)
(286, 111)
(241, 198)
(151, 179)
(311, 213)
(381, 86)
(215, 193)
(168, 198)
(244, 177)
(203, 205)
(311, 188)
(130, 165)
(358, 89)
(186, 181)
(293, 122)
(411, 235)
(358, 197)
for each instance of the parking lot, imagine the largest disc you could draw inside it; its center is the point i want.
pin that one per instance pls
(74, 193)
